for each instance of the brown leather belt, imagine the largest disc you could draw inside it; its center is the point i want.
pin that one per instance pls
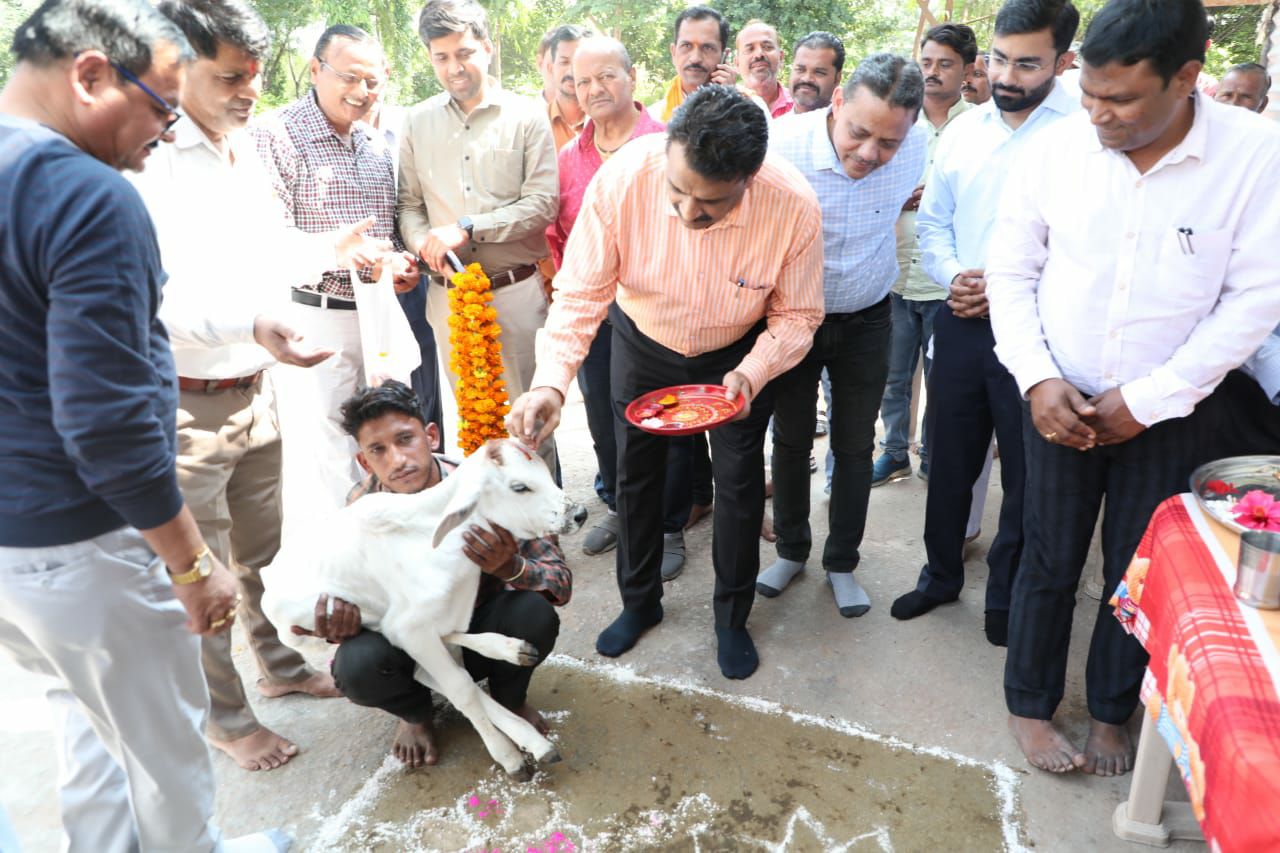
(497, 280)
(212, 386)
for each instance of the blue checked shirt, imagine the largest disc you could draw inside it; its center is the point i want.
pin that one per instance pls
(860, 259)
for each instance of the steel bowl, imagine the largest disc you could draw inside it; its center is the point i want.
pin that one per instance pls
(1244, 473)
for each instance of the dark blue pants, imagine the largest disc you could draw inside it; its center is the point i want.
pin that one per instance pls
(854, 349)
(970, 395)
(1064, 493)
(426, 379)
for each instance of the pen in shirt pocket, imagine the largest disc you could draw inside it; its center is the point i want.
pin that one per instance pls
(742, 284)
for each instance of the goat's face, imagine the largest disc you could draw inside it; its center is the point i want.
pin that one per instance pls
(506, 483)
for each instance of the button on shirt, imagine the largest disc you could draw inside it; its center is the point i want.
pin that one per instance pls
(859, 245)
(327, 183)
(1155, 283)
(497, 166)
(226, 248)
(692, 291)
(962, 193)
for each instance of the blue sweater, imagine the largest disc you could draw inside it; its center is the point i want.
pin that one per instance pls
(88, 396)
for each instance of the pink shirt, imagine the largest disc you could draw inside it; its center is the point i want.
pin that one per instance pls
(579, 161)
(782, 104)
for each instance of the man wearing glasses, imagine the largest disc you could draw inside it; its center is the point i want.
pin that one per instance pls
(331, 169)
(91, 514)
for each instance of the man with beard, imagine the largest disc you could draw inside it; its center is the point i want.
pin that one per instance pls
(1131, 266)
(673, 228)
(759, 59)
(946, 55)
(977, 87)
(815, 71)
(970, 392)
(563, 111)
(478, 177)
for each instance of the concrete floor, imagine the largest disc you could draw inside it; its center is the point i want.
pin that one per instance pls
(934, 682)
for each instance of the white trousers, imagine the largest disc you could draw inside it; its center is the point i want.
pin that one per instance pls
(100, 617)
(319, 466)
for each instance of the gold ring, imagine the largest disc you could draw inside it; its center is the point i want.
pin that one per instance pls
(217, 623)
(1050, 436)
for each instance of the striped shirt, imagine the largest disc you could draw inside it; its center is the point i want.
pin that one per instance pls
(692, 291)
(860, 260)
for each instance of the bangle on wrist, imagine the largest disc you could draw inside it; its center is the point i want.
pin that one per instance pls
(516, 576)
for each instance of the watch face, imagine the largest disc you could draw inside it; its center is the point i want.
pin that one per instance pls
(205, 566)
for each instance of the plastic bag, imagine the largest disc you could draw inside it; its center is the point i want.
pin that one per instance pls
(390, 349)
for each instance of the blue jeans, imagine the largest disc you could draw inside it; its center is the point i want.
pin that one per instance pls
(912, 328)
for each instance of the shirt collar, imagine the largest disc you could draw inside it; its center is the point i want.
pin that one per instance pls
(783, 101)
(958, 107)
(492, 92)
(317, 126)
(1059, 101)
(822, 149)
(645, 124)
(555, 113)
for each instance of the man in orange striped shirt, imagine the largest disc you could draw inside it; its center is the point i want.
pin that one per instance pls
(713, 253)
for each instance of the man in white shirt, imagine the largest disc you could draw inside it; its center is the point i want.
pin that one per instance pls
(970, 393)
(230, 261)
(1132, 266)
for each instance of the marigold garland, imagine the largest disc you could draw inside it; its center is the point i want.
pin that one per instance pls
(476, 360)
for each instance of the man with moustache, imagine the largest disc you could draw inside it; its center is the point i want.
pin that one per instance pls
(947, 52)
(606, 85)
(563, 110)
(1131, 266)
(971, 394)
(698, 53)
(862, 157)
(105, 580)
(478, 178)
(1245, 85)
(223, 323)
(672, 228)
(329, 168)
(816, 66)
(977, 87)
(759, 59)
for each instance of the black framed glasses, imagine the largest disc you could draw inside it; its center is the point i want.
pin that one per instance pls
(169, 108)
(370, 83)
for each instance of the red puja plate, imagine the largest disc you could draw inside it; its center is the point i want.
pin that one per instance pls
(683, 409)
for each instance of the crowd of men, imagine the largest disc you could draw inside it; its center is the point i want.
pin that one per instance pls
(1070, 239)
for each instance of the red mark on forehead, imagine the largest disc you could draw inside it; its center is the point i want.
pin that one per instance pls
(254, 67)
(528, 454)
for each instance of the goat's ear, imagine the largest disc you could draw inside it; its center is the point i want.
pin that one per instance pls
(493, 450)
(461, 505)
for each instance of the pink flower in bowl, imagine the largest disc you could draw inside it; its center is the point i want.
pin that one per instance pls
(1257, 510)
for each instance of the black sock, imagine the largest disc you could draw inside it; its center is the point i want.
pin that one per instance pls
(736, 653)
(913, 604)
(623, 633)
(997, 627)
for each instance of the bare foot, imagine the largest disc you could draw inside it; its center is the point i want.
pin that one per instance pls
(1108, 751)
(415, 744)
(768, 488)
(696, 514)
(535, 719)
(262, 750)
(319, 684)
(1044, 746)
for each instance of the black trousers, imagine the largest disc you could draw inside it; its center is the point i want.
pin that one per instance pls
(426, 379)
(854, 349)
(370, 671)
(971, 394)
(1251, 422)
(640, 365)
(1064, 492)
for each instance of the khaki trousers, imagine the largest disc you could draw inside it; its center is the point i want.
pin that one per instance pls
(522, 311)
(229, 473)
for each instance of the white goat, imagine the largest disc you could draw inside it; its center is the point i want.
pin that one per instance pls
(399, 558)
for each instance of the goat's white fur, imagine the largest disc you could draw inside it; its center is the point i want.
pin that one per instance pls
(399, 558)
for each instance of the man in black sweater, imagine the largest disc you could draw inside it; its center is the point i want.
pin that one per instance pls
(90, 513)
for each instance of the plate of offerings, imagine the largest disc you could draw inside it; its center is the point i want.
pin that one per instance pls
(1240, 492)
(683, 409)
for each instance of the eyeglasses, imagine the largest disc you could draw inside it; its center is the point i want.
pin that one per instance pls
(169, 109)
(370, 83)
(996, 63)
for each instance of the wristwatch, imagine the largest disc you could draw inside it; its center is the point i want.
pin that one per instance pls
(201, 568)
(467, 225)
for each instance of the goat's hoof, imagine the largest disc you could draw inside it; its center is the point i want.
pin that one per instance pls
(524, 774)
(527, 655)
(552, 757)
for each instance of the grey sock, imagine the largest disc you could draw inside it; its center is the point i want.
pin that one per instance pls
(851, 598)
(773, 580)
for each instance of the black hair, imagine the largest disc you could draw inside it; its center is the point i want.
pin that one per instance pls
(1018, 17)
(725, 135)
(339, 31)
(1168, 33)
(702, 13)
(442, 18)
(207, 22)
(890, 78)
(369, 404)
(823, 40)
(566, 32)
(958, 37)
(125, 30)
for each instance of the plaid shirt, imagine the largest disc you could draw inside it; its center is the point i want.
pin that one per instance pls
(326, 183)
(544, 569)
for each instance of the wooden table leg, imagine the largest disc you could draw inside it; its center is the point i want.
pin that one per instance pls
(1145, 817)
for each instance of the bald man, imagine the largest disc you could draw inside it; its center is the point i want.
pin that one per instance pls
(1245, 85)
(760, 56)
